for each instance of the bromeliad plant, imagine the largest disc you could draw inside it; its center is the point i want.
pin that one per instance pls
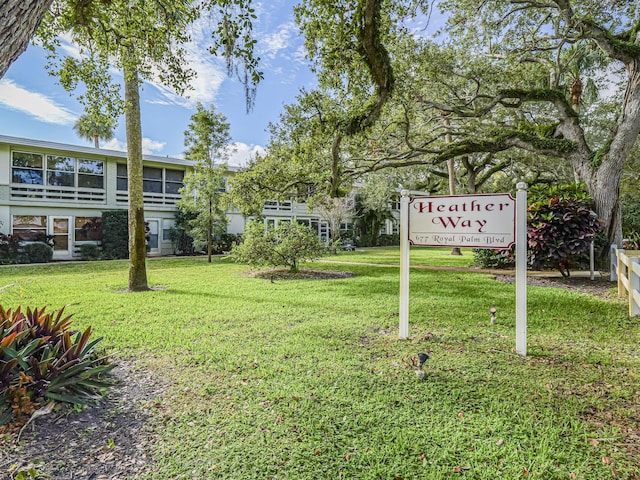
(42, 359)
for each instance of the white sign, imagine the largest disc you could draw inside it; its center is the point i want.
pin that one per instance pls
(477, 221)
(481, 221)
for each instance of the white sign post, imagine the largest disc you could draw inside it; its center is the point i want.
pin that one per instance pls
(477, 221)
(404, 264)
(521, 269)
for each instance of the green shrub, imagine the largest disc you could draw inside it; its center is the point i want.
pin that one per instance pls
(561, 227)
(630, 206)
(559, 231)
(89, 251)
(490, 258)
(224, 242)
(9, 249)
(387, 240)
(115, 234)
(37, 252)
(286, 245)
(41, 359)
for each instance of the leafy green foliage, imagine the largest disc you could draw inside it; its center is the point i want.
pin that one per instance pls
(37, 252)
(41, 358)
(115, 234)
(181, 241)
(89, 251)
(558, 231)
(224, 242)
(371, 213)
(207, 140)
(493, 258)
(9, 249)
(630, 205)
(94, 128)
(561, 227)
(288, 244)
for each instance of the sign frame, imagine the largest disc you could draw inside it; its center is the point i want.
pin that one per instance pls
(520, 225)
(459, 216)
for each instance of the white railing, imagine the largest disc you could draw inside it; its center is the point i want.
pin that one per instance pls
(168, 199)
(67, 194)
(625, 268)
(275, 206)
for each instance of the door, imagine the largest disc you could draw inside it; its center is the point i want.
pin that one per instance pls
(60, 228)
(153, 237)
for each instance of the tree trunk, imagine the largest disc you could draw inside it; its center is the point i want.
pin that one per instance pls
(452, 175)
(137, 239)
(19, 20)
(96, 142)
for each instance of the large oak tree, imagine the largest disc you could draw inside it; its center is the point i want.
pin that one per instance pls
(19, 19)
(513, 77)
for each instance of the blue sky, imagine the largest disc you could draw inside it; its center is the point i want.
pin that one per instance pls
(33, 105)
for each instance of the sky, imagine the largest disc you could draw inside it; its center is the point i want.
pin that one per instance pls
(33, 105)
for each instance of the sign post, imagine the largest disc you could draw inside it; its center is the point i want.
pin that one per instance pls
(404, 264)
(477, 221)
(521, 269)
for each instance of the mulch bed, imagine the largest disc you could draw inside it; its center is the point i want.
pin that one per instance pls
(601, 286)
(107, 440)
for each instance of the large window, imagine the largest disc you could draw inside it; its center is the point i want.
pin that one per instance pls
(174, 181)
(60, 171)
(154, 179)
(27, 168)
(90, 173)
(56, 170)
(29, 227)
(88, 228)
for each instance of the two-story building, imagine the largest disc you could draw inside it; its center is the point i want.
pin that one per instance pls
(61, 190)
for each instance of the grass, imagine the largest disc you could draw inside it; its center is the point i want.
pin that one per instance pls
(433, 256)
(306, 379)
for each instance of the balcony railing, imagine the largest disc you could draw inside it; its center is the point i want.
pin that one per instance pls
(62, 194)
(167, 199)
(274, 206)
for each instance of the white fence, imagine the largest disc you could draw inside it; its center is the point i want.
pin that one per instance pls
(625, 268)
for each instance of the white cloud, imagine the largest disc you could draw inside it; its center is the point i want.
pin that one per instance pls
(210, 72)
(35, 104)
(149, 147)
(241, 153)
(272, 44)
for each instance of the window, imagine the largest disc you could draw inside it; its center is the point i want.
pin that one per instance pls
(27, 168)
(29, 228)
(122, 179)
(223, 185)
(167, 225)
(88, 228)
(90, 173)
(60, 171)
(154, 179)
(173, 181)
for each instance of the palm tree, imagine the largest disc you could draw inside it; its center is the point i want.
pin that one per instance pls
(92, 129)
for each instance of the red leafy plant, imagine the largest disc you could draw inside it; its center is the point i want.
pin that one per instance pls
(42, 359)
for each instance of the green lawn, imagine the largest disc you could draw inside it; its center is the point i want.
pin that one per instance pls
(434, 256)
(306, 379)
